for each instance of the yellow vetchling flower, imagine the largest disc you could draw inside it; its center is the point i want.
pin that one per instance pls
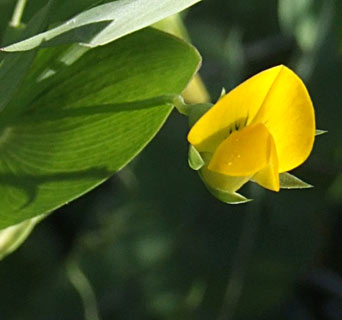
(263, 127)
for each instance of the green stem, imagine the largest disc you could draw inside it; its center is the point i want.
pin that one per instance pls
(82, 285)
(180, 105)
(186, 109)
(18, 13)
(241, 262)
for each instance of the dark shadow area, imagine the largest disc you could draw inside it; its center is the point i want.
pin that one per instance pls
(94, 110)
(30, 183)
(33, 116)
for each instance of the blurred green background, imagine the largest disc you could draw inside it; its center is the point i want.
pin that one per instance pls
(152, 243)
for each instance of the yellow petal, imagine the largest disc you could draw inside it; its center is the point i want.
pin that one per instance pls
(237, 108)
(288, 114)
(269, 176)
(244, 152)
(219, 181)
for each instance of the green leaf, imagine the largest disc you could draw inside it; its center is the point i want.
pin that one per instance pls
(289, 181)
(194, 159)
(81, 123)
(13, 67)
(118, 19)
(6, 10)
(320, 132)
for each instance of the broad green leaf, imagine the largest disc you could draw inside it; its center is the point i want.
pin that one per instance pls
(13, 67)
(289, 181)
(6, 10)
(195, 160)
(86, 121)
(118, 18)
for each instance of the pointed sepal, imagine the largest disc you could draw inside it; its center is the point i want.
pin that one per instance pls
(320, 132)
(289, 181)
(223, 92)
(225, 196)
(228, 197)
(195, 160)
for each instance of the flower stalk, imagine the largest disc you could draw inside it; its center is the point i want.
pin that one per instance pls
(18, 13)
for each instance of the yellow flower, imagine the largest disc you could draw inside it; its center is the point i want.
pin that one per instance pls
(262, 128)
